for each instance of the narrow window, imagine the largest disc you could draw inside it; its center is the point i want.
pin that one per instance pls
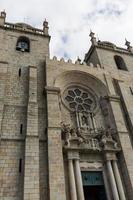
(20, 165)
(21, 128)
(23, 44)
(120, 63)
(19, 72)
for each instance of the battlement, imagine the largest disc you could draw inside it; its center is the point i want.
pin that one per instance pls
(76, 62)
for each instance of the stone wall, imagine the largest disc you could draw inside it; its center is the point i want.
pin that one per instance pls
(14, 97)
(11, 179)
(33, 164)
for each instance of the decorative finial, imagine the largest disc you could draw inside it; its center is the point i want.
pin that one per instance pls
(3, 14)
(127, 43)
(91, 34)
(45, 27)
(45, 23)
(129, 47)
(93, 38)
(78, 61)
(2, 17)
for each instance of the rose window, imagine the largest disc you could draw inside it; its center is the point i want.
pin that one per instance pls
(78, 99)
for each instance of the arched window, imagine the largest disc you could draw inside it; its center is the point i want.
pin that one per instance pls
(23, 44)
(120, 63)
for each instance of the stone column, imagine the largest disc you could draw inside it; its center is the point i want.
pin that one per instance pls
(112, 181)
(73, 194)
(118, 180)
(78, 178)
(106, 184)
(77, 120)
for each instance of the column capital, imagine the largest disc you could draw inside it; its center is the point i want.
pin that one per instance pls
(110, 156)
(73, 155)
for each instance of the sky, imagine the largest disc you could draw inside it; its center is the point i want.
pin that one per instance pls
(70, 22)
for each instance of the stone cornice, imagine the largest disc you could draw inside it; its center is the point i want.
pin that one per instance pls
(115, 98)
(52, 90)
(34, 31)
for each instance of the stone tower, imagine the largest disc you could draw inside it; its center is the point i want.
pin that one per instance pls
(66, 130)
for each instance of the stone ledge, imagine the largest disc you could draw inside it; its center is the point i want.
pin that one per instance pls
(115, 98)
(52, 90)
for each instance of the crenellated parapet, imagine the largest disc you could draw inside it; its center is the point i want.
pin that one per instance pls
(76, 62)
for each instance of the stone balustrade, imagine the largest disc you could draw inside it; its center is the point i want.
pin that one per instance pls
(23, 27)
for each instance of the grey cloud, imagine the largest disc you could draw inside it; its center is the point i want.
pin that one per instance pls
(110, 12)
(64, 38)
(70, 23)
(107, 11)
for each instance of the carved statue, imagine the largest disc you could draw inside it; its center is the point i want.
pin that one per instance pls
(81, 135)
(84, 120)
(65, 132)
(106, 137)
(68, 133)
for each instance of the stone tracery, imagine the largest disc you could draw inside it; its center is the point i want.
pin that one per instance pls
(79, 99)
(82, 104)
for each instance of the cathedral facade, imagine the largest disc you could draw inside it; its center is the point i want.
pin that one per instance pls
(66, 129)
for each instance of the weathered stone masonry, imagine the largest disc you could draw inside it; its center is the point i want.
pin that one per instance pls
(62, 123)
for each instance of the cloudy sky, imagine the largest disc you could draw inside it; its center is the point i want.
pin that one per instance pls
(70, 22)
